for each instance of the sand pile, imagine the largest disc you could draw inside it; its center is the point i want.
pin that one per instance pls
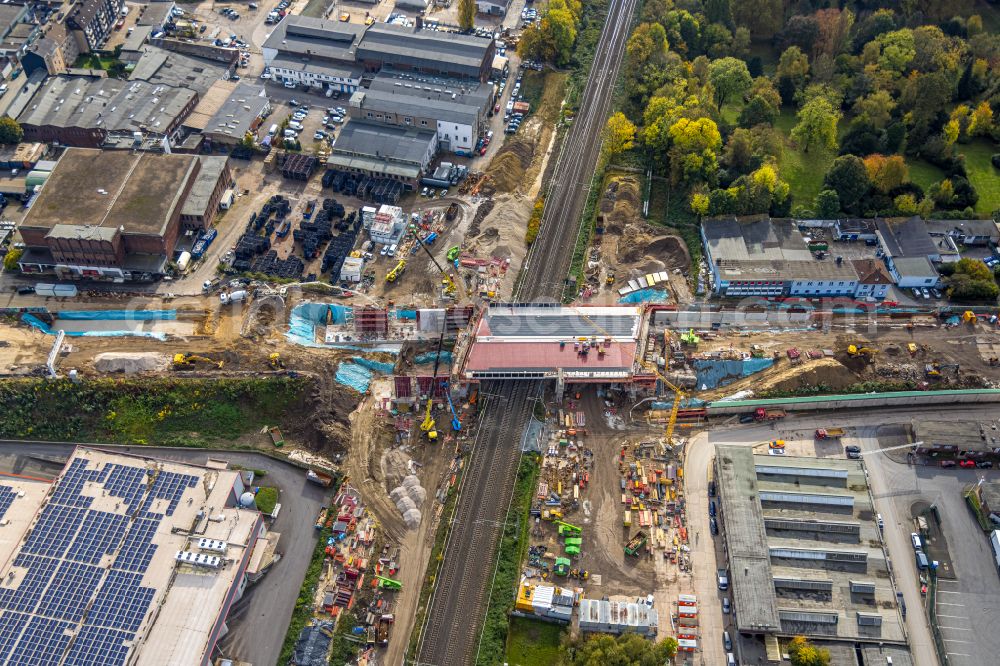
(131, 363)
(638, 242)
(621, 203)
(506, 170)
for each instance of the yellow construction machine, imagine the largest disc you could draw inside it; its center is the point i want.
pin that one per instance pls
(396, 271)
(190, 360)
(936, 369)
(275, 361)
(428, 425)
(868, 352)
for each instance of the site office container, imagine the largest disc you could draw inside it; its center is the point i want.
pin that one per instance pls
(687, 600)
(687, 611)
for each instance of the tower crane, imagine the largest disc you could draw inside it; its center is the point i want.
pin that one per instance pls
(679, 394)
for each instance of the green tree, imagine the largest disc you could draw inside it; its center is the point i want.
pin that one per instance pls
(827, 205)
(762, 17)
(803, 653)
(730, 77)
(906, 204)
(466, 14)
(758, 111)
(619, 134)
(628, 649)
(817, 124)
(720, 11)
(739, 151)
(876, 108)
(694, 148)
(974, 268)
(896, 50)
(849, 179)
(10, 131)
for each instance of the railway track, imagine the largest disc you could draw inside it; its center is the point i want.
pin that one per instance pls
(453, 626)
(459, 600)
(548, 261)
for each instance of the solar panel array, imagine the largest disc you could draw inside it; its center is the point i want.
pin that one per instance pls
(60, 607)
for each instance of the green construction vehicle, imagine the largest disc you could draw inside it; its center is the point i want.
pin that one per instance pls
(574, 541)
(565, 529)
(572, 550)
(636, 543)
(690, 338)
(562, 566)
(388, 583)
(453, 253)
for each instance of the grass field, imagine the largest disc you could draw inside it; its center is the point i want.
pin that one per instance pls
(923, 173)
(532, 643)
(803, 171)
(982, 174)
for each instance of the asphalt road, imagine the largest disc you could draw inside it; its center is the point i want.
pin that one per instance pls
(257, 623)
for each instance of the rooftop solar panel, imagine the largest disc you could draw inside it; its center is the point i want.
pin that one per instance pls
(11, 626)
(42, 643)
(122, 602)
(97, 646)
(7, 496)
(70, 591)
(54, 530)
(101, 533)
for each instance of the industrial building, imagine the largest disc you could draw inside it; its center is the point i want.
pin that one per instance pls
(544, 601)
(456, 111)
(116, 215)
(618, 617)
(910, 251)
(123, 560)
(962, 439)
(242, 111)
(340, 55)
(386, 151)
(759, 256)
(805, 552)
(202, 202)
(569, 344)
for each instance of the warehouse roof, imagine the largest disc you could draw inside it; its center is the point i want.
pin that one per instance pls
(919, 267)
(154, 14)
(397, 44)
(987, 228)
(170, 68)
(405, 145)
(317, 37)
(906, 238)
(776, 269)
(754, 239)
(535, 322)
(141, 192)
(106, 104)
(441, 101)
(245, 104)
(204, 184)
(99, 564)
(209, 104)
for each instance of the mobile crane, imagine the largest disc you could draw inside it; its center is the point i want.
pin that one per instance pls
(428, 425)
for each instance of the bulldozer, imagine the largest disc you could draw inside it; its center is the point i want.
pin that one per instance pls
(182, 361)
(969, 317)
(275, 361)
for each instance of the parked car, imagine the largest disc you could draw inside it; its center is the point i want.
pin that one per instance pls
(853, 452)
(916, 541)
(725, 605)
(746, 418)
(423, 192)
(966, 463)
(985, 464)
(711, 488)
(727, 642)
(711, 508)
(23, 291)
(444, 193)
(946, 464)
(713, 526)
(295, 126)
(723, 579)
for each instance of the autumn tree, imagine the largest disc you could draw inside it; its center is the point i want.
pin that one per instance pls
(694, 147)
(619, 134)
(803, 653)
(982, 120)
(10, 131)
(792, 72)
(553, 37)
(817, 124)
(886, 173)
(466, 14)
(848, 177)
(730, 78)
(699, 203)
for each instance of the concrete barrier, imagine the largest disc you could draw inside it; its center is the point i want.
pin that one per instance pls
(858, 401)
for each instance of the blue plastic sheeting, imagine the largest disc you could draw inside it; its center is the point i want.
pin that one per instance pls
(428, 357)
(646, 296)
(37, 323)
(354, 376)
(338, 313)
(713, 374)
(384, 368)
(687, 403)
(304, 317)
(116, 315)
(385, 349)
(406, 314)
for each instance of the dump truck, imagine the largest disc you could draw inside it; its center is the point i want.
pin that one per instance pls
(636, 543)
(761, 414)
(276, 437)
(319, 478)
(830, 433)
(384, 625)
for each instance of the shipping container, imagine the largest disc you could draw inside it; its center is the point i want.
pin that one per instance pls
(61, 290)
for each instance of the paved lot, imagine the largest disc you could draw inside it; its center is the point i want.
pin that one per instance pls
(257, 623)
(969, 604)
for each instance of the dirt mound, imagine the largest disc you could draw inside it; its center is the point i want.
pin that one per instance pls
(641, 241)
(131, 363)
(823, 372)
(321, 421)
(506, 170)
(484, 209)
(620, 203)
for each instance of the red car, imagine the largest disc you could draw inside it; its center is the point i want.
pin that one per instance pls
(966, 463)
(482, 151)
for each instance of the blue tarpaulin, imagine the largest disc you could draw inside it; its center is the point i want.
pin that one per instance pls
(646, 296)
(428, 357)
(406, 314)
(384, 368)
(715, 373)
(37, 323)
(355, 376)
(117, 315)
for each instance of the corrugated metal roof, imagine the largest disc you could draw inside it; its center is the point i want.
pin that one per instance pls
(806, 498)
(818, 472)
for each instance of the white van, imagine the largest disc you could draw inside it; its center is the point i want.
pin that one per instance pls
(392, 250)
(730, 659)
(273, 130)
(290, 84)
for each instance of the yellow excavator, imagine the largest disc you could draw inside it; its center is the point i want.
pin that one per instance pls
(855, 350)
(450, 286)
(190, 360)
(275, 361)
